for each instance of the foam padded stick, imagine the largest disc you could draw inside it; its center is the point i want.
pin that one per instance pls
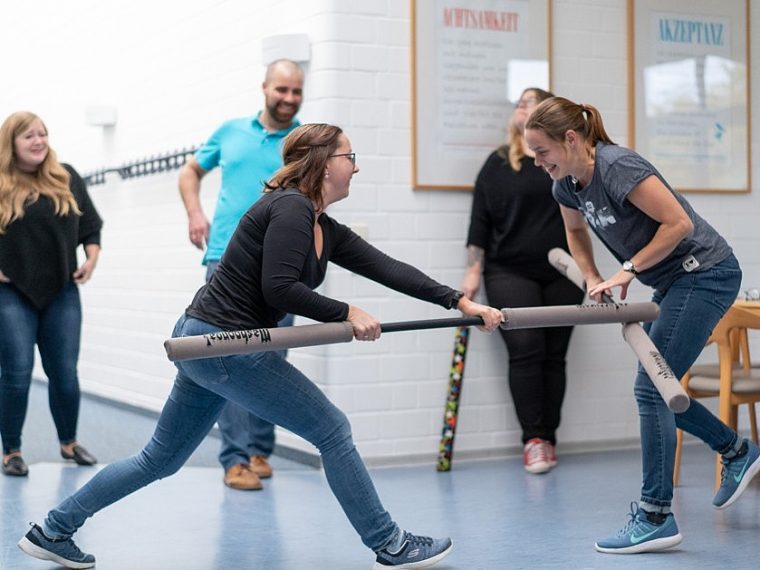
(657, 369)
(568, 315)
(565, 264)
(226, 343)
(634, 334)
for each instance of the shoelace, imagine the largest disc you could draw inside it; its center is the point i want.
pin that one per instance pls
(414, 539)
(726, 467)
(632, 519)
(537, 452)
(724, 470)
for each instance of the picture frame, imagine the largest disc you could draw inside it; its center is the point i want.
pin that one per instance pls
(689, 91)
(470, 62)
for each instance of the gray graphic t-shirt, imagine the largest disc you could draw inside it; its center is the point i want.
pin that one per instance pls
(625, 229)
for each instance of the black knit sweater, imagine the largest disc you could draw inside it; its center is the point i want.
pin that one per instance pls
(514, 218)
(38, 251)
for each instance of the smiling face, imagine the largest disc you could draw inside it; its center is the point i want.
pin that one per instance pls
(283, 93)
(30, 147)
(553, 156)
(338, 172)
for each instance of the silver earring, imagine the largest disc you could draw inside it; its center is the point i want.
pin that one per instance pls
(327, 175)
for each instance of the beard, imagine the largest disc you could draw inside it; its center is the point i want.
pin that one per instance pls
(282, 113)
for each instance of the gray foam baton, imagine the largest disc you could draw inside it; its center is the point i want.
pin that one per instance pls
(226, 343)
(569, 315)
(634, 334)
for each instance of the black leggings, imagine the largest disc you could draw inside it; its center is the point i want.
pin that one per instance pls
(536, 356)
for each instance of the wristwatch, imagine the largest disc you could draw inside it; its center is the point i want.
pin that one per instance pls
(455, 299)
(629, 267)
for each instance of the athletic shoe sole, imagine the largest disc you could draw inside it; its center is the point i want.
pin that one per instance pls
(427, 563)
(649, 546)
(748, 476)
(538, 468)
(40, 553)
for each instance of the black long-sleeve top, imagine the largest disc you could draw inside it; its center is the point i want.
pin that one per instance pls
(514, 218)
(38, 250)
(270, 268)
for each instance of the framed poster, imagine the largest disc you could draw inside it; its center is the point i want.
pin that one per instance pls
(689, 91)
(470, 62)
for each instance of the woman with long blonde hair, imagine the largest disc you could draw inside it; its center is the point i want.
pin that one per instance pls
(45, 213)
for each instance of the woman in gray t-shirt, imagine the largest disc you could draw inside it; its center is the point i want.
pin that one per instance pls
(659, 239)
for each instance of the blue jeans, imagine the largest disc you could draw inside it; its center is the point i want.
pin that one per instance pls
(55, 330)
(689, 311)
(262, 383)
(244, 434)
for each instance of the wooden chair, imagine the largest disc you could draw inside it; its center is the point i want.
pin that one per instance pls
(733, 380)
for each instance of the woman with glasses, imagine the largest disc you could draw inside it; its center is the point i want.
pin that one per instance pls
(513, 225)
(276, 258)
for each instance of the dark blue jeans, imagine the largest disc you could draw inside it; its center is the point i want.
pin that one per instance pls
(689, 311)
(262, 383)
(244, 434)
(56, 331)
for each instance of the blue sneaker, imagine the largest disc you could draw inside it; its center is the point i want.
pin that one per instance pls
(736, 474)
(62, 551)
(414, 552)
(639, 535)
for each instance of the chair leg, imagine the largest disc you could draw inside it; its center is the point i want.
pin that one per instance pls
(753, 422)
(679, 450)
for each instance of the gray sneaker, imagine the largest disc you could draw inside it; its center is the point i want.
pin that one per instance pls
(62, 551)
(415, 552)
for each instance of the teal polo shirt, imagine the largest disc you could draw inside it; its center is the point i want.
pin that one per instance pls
(249, 156)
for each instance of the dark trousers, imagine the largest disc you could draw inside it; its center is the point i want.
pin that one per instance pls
(536, 356)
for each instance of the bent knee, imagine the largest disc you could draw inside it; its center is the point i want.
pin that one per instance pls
(334, 432)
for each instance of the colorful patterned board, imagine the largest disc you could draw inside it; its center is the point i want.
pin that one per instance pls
(451, 413)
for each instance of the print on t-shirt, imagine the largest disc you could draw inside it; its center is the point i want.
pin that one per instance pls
(597, 218)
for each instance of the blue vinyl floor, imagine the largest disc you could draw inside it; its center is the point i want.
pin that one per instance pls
(499, 516)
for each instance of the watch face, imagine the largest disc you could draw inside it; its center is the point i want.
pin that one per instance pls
(628, 266)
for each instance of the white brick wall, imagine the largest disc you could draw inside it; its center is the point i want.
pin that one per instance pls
(195, 64)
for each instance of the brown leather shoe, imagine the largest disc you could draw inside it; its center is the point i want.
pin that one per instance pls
(242, 478)
(261, 467)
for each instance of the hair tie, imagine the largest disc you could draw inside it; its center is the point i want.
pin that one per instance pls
(584, 112)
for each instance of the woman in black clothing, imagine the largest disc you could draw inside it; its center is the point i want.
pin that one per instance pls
(276, 257)
(45, 213)
(514, 223)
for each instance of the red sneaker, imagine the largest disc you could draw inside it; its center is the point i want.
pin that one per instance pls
(552, 454)
(536, 456)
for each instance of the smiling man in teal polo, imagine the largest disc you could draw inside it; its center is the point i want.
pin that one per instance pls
(248, 150)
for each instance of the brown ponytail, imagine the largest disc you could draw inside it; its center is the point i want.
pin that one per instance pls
(558, 115)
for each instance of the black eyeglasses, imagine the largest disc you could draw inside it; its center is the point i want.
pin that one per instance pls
(351, 156)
